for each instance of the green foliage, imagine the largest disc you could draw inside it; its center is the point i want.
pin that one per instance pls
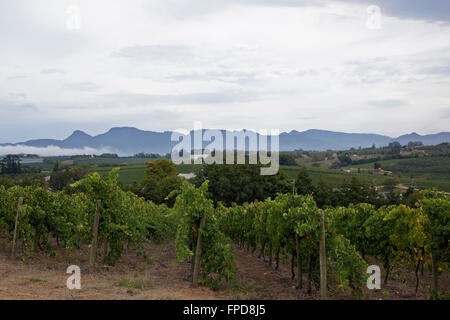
(324, 195)
(378, 236)
(393, 233)
(124, 217)
(303, 183)
(412, 234)
(276, 222)
(436, 208)
(10, 164)
(350, 221)
(7, 182)
(345, 160)
(161, 168)
(357, 191)
(217, 260)
(61, 178)
(160, 180)
(287, 159)
(240, 183)
(345, 266)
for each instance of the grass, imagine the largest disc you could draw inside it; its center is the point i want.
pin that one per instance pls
(133, 284)
(243, 288)
(36, 280)
(127, 174)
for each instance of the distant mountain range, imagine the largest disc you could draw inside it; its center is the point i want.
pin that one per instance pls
(129, 140)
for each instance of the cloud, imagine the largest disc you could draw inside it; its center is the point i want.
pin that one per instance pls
(81, 86)
(17, 95)
(412, 9)
(229, 76)
(17, 77)
(137, 99)
(8, 105)
(389, 103)
(50, 150)
(52, 71)
(240, 63)
(437, 70)
(156, 52)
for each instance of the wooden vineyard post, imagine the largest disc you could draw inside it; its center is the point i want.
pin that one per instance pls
(434, 273)
(299, 263)
(323, 260)
(105, 249)
(93, 251)
(198, 252)
(13, 251)
(270, 254)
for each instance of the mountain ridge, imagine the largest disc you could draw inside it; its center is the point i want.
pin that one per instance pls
(131, 140)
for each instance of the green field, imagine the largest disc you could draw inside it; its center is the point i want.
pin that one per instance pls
(111, 161)
(334, 177)
(424, 167)
(422, 172)
(127, 174)
(134, 173)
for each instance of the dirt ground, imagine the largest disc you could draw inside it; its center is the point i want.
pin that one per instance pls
(44, 277)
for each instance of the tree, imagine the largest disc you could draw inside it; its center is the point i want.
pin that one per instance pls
(61, 178)
(240, 183)
(287, 159)
(345, 160)
(413, 144)
(394, 147)
(11, 164)
(410, 197)
(56, 166)
(392, 196)
(303, 183)
(356, 191)
(335, 165)
(7, 182)
(324, 195)
(160, 169)
(107, 155)
(160, 179)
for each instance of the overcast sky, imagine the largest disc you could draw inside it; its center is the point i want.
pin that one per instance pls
(161, 65)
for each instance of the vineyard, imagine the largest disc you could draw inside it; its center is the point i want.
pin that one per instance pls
(325, 250)
(123, 218)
